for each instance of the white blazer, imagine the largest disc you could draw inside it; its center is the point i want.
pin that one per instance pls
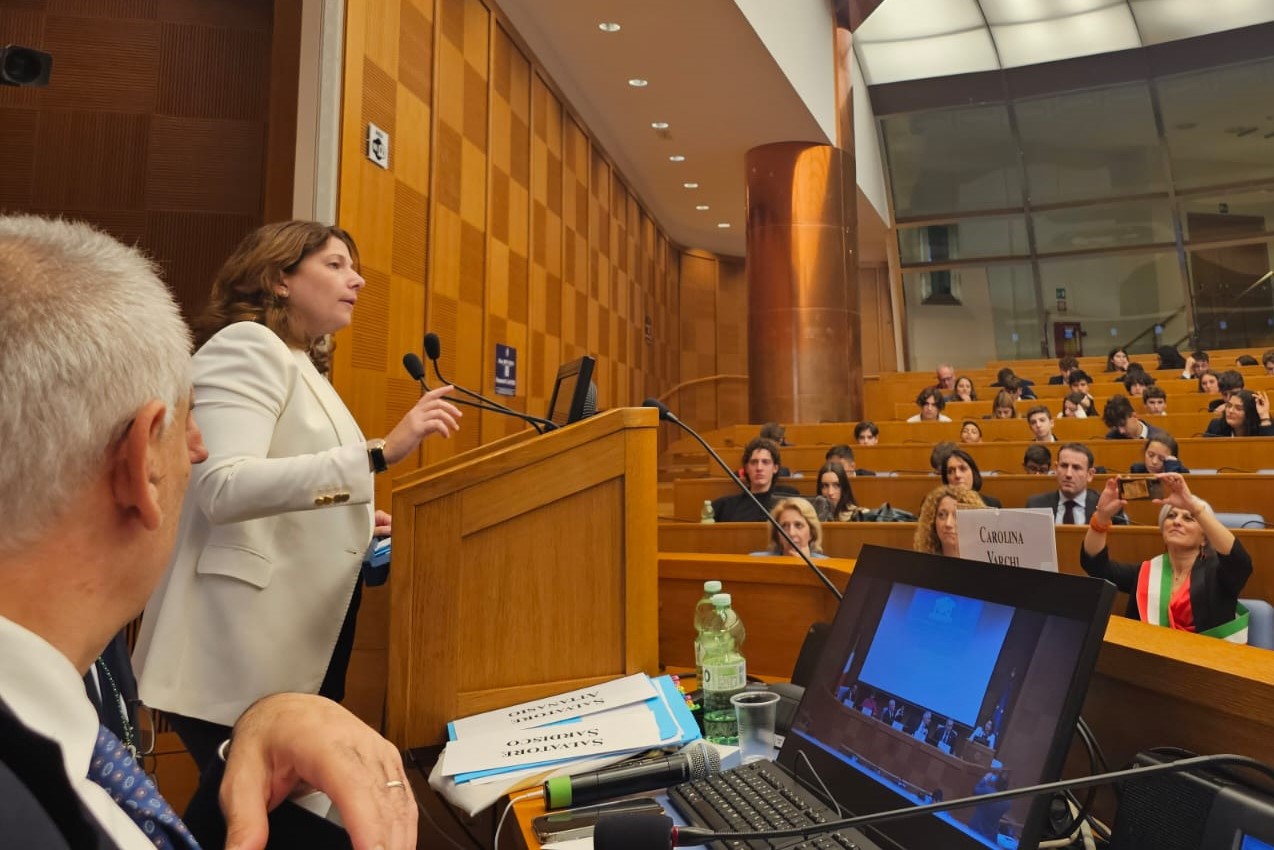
(272, 534)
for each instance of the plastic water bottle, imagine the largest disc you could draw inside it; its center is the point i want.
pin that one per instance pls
(705, 616)
(724, 671)
(707, 514)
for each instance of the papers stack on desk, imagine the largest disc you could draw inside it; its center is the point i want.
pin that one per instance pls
(490, 753)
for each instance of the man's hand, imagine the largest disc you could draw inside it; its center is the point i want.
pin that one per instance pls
(285, 740)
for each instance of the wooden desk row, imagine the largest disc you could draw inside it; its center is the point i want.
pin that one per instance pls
(1249, 454)
(1178, 402)
(1230, 493)
(846, 539)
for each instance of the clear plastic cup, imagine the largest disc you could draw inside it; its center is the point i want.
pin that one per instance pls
(755, 711)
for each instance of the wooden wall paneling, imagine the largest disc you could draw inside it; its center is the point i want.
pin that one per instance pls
(732, 341)
(545, 307)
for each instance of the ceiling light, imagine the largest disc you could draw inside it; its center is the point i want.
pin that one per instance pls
(691, 185)
(659, 125)
(702, 207)
(724, 225)
(608, 26)
(638, 83)
(676, 158)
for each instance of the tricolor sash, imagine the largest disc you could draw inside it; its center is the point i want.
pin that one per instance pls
(1154, 593)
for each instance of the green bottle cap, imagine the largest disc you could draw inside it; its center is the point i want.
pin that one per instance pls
(558, 791)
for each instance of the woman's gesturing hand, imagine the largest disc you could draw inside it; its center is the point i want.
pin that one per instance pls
(433, 414)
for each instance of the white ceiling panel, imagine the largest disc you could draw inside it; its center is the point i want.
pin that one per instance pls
(938, 56)
(1169, 20)
(1003, 12)
(1084, 34)
(914, 19)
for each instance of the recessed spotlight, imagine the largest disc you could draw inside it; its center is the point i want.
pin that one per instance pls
(702, 207)
(724, 225)
(691, 185)
(608, 26)
(676, 158)
(659, 125)
(638, 83)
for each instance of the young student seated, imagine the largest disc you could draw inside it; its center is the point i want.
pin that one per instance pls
(1159, 455)
(1155, 401)
(866, 433)
(1040, 421)
(760, 463)
(1037, 460)
(1065, 365)
(930, 402)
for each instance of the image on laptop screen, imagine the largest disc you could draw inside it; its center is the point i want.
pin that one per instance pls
(944, 678)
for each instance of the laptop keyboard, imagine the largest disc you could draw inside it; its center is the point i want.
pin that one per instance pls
(757, 797)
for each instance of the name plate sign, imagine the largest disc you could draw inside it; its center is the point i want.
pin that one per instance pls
(1015, 537)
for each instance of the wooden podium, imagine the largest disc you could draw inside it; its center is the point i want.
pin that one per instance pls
(521, 569)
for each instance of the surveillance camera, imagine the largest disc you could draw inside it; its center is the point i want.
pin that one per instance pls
(24, 66)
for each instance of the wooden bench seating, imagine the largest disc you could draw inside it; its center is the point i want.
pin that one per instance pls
(846, 539)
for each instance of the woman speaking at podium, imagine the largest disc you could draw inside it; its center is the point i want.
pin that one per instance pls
(264, 587)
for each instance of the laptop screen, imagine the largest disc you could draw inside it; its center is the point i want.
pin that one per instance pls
(945, 678)
(570, 391)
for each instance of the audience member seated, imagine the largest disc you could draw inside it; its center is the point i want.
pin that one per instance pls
(1038, 460)
(1117, 361)
(889, 712)
(986, 817)
(1003, 407)
(1155, 401)
(1075, 406)
(1080, 382)
(930, 402)
(936, 524)
(1196, 364)
(944, 378)
(866, 433)
(924, 727)
(1169, 359)
(1267, 360)
(1228, 383)
(1040, 421)
(1136, 381)
(970, 432)
(1245, 414)
(1195, 586)
(1160, 456)
(843, 456)
(938, 455)
(947, 735)
(837, 495)
(1072, 503)
(1246, 360)
(963, 390)
(796, 516)
(1208, 383)
(760, 464)
(1006, 377)
(1065, 366)
(1124, 424)
(961, 470)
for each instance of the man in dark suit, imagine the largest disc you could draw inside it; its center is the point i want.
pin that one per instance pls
(1072, 503)
(95, 495)
(1125, 424)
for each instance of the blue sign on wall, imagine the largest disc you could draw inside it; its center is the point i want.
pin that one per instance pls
(506, 370)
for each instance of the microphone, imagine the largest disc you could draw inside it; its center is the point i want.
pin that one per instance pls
(416, 369)
(630, 831)
(433, 350)
(696, 760)
(668, 416)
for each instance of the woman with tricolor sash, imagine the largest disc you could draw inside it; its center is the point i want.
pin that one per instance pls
(1195, 585)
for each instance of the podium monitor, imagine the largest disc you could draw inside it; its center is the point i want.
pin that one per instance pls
(570, 391)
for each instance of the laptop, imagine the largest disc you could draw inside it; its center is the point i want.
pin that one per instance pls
(940, 678)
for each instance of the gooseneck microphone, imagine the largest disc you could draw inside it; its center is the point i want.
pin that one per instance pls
(636, 831)
(416, 368)
(433, 350)
(668, 416)
(697, 760)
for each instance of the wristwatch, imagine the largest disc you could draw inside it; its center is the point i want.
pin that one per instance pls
(376, 456)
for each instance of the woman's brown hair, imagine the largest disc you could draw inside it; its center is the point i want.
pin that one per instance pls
(244, 290)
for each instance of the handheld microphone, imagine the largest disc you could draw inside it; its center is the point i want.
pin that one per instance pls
(696, 760)
(416, 369)
(619, 831)
(433, 350)
(668, 416)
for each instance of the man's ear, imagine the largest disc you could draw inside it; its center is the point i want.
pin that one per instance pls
(137, 465)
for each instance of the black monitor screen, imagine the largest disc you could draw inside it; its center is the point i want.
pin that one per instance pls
(570, 392)
(944, 678)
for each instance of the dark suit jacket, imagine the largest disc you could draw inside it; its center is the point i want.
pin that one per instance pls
(1056, 379)
(38, 806)
(739, 508)
(1152, 433)
(1051, 499)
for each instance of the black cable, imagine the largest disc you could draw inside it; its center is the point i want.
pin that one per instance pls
(1083, 732)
